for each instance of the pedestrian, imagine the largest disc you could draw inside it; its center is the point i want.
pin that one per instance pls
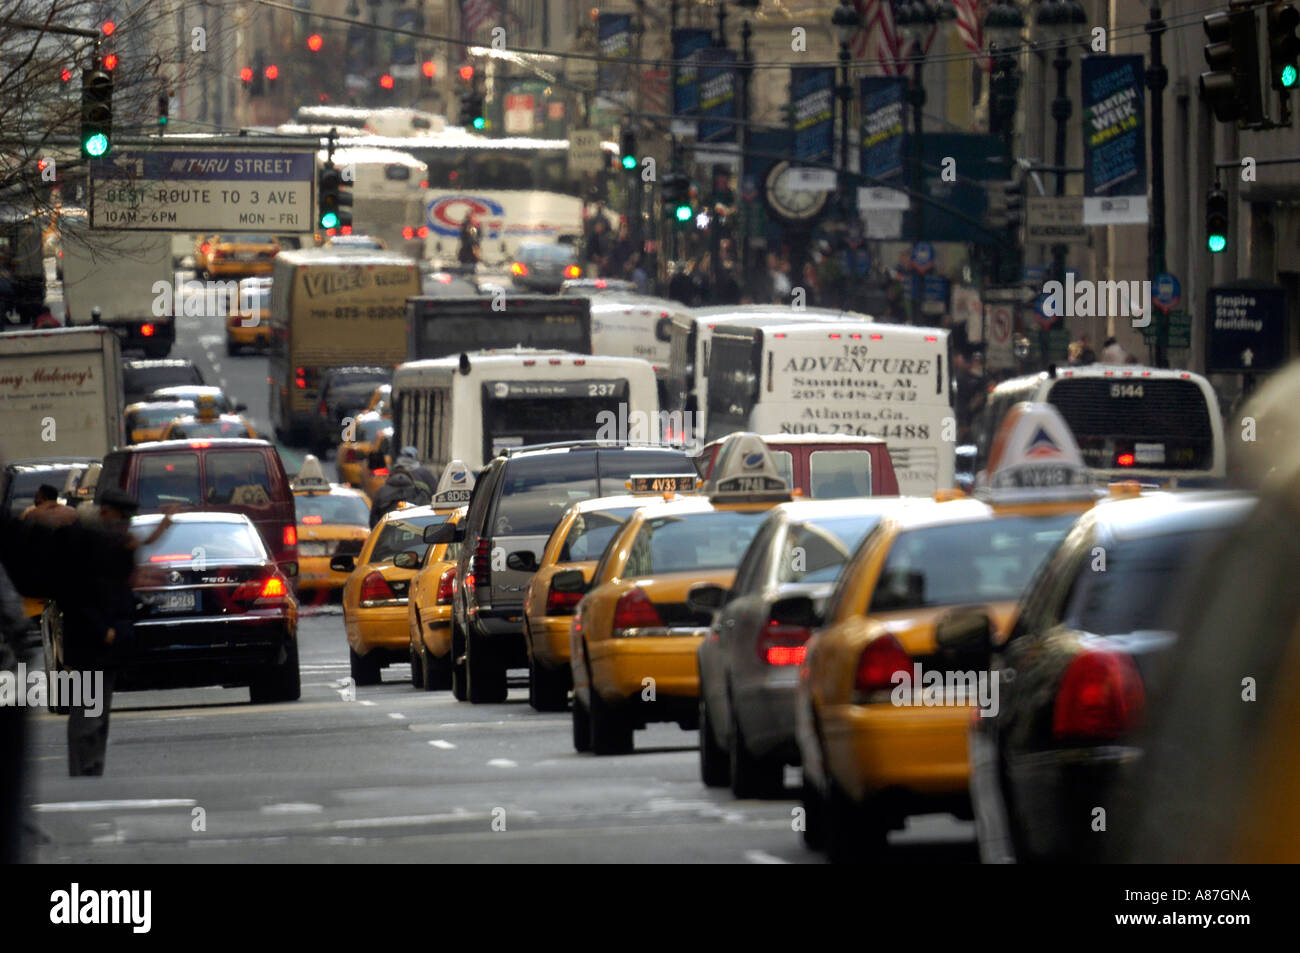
(701, 282)
(469, 254)
(46, 319)
(47, 510)
(1112, 352)
(778, 280)
(402, 486)
(679, 285)
(409, 457)
(1080, 352)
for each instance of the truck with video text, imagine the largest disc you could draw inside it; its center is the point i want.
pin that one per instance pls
(60, 393)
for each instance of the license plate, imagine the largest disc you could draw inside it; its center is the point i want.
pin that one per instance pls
(313, 548)
(172, 601)
(246, 256)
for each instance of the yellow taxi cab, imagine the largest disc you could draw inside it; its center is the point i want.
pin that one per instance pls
(375, 593)
(434, 586)
(634, 640)
(886, 691)
(367, 430)
(147, 419)
(374, 467)
(576, 543)
(332, 519)
(207, 421)
(235, 255)
(250, 324)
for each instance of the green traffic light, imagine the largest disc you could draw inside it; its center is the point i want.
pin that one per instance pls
(329, 220)
(479, 122)
(1217, 243)
(683, 213)
(96, 145)
(1288, 76)
(629, 162)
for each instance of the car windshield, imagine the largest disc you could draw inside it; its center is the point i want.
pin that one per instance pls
(315, 509)
(816, 551)
(983, 561)
(402, 535)
(692, 542)
(198, 541)
(208, 428)
(591, 533)
(24, 484)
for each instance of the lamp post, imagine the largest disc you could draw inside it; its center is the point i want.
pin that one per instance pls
(1004, 25)
(1157, 79)
(1058, 21)
(742, 135)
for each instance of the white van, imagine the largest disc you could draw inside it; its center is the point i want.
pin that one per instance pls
(472, 406)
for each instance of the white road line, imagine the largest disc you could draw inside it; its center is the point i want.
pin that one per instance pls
(502, 763)
(359, 823)
(762, 857)
(291, 808)
(444, 745)
(70, 807)
(216, 366)
(396, 716)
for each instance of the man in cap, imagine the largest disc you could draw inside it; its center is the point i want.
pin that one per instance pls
(407, 483)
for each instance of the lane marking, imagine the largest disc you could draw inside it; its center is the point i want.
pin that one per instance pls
(396, 716)
(444, 745)
(361, 823)
(368, 704)
(290, 807)
(763, 857)
(128, 804)
(502, 763)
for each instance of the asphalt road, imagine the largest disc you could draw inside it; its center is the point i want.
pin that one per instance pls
(391, 774)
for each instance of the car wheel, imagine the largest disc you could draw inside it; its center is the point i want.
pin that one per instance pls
(486, 675)
(715, 769)
(365, 668)
(814, 817)
(751, 776)
(581, 725)
(854, 832)
(437, 674)
(459, 681)
(547, 690)
(611, 729)
(417, 667)
(283, 683)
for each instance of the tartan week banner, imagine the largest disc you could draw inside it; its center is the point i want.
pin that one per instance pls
(1114, 140)
(615, 80)
(687, 42)
(882, 137)
(717, 96)
(812, 90)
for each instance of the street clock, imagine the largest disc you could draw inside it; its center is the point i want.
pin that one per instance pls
(789, 201)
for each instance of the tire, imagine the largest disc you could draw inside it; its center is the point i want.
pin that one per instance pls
(814, 817)
(611, 730)
(283, 683)
(437, 676)
(581, 725)
(751, 776)
(417, 667)
(548, 690)
(486, 675)
(459, 676)
(365, 669)
(854, 833)
(715, 769)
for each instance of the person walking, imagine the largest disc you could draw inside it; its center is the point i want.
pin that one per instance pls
(469, 253)
(1112, 352)
(402, 486)
(47, 510)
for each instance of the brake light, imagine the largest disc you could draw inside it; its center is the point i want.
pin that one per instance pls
(783, 644)
(481, 564)
(291, 536)
(147, 330)
(272, 587)
(200, 444)
(171, 558)
(878, 663)
(205, 247)
(375, 588)
(408, 233)
(519, 268)
(1125, 460)
(1100, 698)
(573, 271)
(634, 610)
(446, 587)
(562, 603)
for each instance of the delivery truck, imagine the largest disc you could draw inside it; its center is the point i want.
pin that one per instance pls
(60, 393)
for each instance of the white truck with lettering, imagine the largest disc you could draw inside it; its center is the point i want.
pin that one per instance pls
(60, 393)
(505, 220)
(109, 278)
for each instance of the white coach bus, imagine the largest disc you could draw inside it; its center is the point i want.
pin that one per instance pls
(470, 407)
(859, 378)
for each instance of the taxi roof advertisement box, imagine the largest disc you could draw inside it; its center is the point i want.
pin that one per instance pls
(60, 393)
(205, 188)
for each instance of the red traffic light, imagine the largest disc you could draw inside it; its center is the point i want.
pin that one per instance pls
(246, 74)
(429, 68)
(273, 72)
(386, 81)
(42, 163)
(314, 42)
(467, 73)
(110, 62)
(66, 75)
(108, 27)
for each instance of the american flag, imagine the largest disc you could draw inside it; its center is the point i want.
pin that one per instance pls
(969, 29)
(474, 14)
(881, 42)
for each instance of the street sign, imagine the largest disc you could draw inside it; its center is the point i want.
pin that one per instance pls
(922, 256)
(1000, 326)
(812, 180)
(1055, 220)
(1015, 294)
(1175, 326)
(585, 154)
(520, 111)
(884, 224)
(205, 188)
(1246, 328)
(873, 198)
(1166, 292)
(580, 72)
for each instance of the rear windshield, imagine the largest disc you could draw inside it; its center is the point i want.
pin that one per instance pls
(692, 541)
(238, 478)
(836, 474)
(561, 253)
(535, 492)
(591, 533)
(221, 400)
(404, 535)
(155, 416)
(24, 484)
(985, 561)
(318, 508)
(245, 240)
(617, 465)
(208, 428)
(145, 379)
(199, 541)
(166, 478)
(816, 551)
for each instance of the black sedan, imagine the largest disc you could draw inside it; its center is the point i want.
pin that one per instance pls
(1091, 639)
(544, 268)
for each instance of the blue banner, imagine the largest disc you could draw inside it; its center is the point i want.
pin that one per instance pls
(812, 96)
(717, 96)
(884, 142)
(614, 78)
(1114, 126)
(687, 42)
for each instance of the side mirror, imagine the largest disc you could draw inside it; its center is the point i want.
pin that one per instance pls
(439, 533)
(343, 563)
(522, 561)
(796, 611)
(407, 560)
(965, 631)
(569, 580)
(706, 598)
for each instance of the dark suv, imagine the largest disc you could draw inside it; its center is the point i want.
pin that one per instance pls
(344, 392)
(142, 378)
(518, 499)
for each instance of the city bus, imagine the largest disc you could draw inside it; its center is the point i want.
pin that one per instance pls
(387, 195)
(472, 406)
(1131, 422)
(859, 378)
(439, 326)
(393, 121)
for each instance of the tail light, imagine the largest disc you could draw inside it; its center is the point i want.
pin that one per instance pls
(634, 610)
(375, 588)
(270, 589)
(878, 663)
(573, 271)
(1125, 460)
(218, 254)
(147, 330)
(408, 233)
(381, 472)
(562, 603)
(783, 644)
(1100, 698)
(481, 565)
(446, 587)
(206, 247)
(291, 535)
(322, 408)
(520, 269)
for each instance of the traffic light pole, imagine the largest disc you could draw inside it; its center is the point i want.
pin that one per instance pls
(1157, 79)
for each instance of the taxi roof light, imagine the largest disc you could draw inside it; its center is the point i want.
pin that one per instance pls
(310, 476)
(745, 472)
(455, 486)
(1034, 457)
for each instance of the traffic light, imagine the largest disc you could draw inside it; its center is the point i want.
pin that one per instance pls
(675, 196)
(1006, 204)
(96, 113)
(315, 42)
(1232, 88)
(164, 108)
(628, 150)
(1283, 45)
(1216, 220)
(471, 110)
(328, 181)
